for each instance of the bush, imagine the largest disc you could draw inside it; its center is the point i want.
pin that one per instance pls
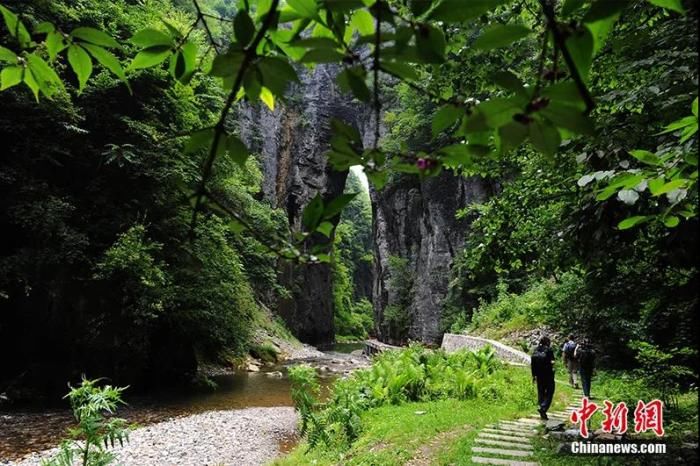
(395, 377)
(95, 432)
(265, 352)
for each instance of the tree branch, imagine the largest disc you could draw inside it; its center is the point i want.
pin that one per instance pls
(219, 129)
(560, 41)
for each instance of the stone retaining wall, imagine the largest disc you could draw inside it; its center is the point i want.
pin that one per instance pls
(452, 342)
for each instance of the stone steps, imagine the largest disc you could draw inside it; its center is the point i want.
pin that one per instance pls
(502, 452)
(502, 443)
(510, 432)
(507, 438)
(513, 428)
(482, 460)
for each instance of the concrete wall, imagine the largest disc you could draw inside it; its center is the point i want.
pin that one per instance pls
(452, 342)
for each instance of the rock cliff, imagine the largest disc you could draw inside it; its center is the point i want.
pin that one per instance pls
(292, 142)
(415, 220)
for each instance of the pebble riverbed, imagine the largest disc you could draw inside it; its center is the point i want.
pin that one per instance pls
(238, 437)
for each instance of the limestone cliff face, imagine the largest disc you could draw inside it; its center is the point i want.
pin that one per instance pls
(292, 142)
(415, 220)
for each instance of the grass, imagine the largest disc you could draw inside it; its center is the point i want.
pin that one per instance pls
(441, 432)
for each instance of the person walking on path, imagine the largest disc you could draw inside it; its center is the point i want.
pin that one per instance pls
(570, 361)
(542, 366)
(585, 356)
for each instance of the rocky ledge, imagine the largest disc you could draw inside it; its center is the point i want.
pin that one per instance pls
(237, 437)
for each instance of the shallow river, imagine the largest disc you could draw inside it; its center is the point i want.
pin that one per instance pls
(25, 431)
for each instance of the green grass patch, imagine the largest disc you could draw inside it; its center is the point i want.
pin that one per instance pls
(440, 431)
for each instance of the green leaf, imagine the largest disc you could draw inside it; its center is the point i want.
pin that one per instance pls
(306, 8)
(461, 154)
(31, 83)
(571, 118)
(277, 73)
(500, 35)
(54, 44)
(106, 59)
(10, 76)
(498, 111)
(16, 27)
(7, 55)
(430, 44)
(632, 221)
(243, 27)
(236, 149)
(268, 98)
(670, 186)
(148, 38)
(580, 46)
(350, 80)
(600, 30)
(378, 178)
(325, 228)
(459, 11)
(312, 213)
(94, 36)
(44, 28)
(695, 107)
(446, 117)
(673, 5)
(337, 205)
(604, 9)
(363, 22)
(655, 185)
(570, 6)
(198, 140)
(400, 70)
(81, 64)
(511, 82)
(252, 83)
(671, 221)
(512, 135)
(227, 64)
(646, 157)
(189, 54)
(565, 92)
(343, 129)
(150, 57)
(544, 137)
(44, 76)
(322, 56)
(316, 43)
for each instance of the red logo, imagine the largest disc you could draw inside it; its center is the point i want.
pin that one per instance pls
(649, 416)
(615, 418)
(583, 415)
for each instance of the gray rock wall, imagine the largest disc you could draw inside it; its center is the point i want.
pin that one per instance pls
(416, 220)
(291, 143)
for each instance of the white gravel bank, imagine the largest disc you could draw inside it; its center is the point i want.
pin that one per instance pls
(243, 437)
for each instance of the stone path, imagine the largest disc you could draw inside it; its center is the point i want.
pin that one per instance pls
(509, 442)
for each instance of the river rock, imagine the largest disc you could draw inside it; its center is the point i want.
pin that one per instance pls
(553, 425)
(251, 367)
(247, 437)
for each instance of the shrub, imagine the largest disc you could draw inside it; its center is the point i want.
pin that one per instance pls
(395, 377)
(89, 441)
(265, 352)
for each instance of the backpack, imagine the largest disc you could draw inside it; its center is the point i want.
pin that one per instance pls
(539, 361)
(569, 348)
(585, 356)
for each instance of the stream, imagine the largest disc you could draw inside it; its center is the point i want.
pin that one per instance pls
(29, 430)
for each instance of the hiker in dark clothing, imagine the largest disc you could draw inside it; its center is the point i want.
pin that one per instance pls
(585, 356)
(542, 365)
(570, 361)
